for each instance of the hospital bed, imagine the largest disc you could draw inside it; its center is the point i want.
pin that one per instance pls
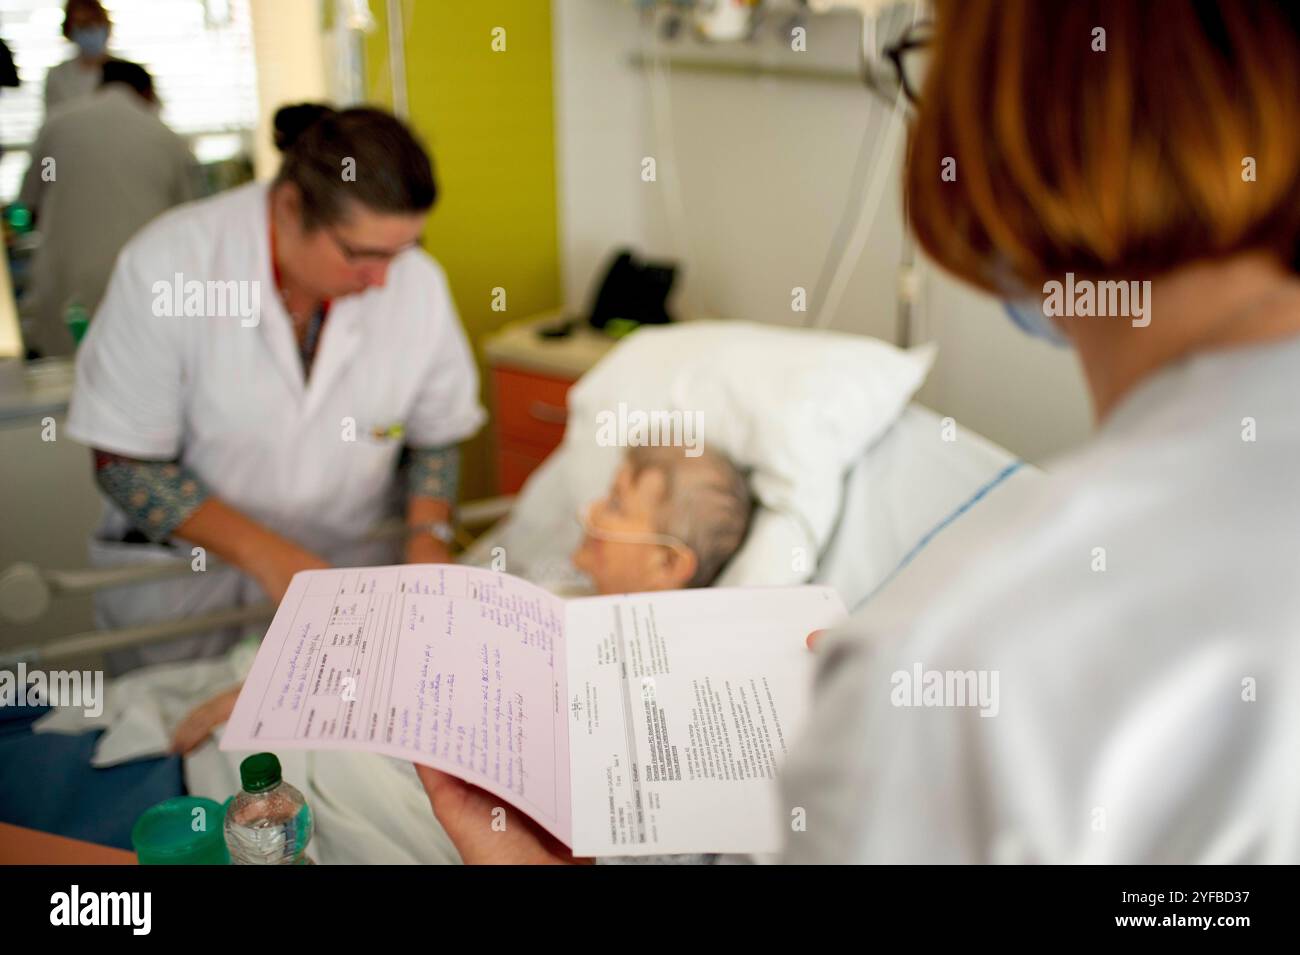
(896, 499)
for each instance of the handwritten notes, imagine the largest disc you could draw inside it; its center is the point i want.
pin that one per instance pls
(630, 724)
(455, 667)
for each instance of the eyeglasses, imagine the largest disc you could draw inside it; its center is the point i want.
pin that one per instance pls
(625, 537)
(356, 256)
(909, 57)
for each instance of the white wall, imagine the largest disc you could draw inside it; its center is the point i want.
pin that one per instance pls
(763, 165)
(1019, 391)
(290, 52)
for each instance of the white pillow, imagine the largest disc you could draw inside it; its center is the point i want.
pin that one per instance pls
(796, 406)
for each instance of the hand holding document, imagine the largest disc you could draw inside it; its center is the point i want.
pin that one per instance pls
(635, 724)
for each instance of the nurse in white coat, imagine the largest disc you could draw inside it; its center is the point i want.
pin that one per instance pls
(1139, 624)
(262, 363)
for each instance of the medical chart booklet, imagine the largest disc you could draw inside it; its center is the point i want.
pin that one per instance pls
(635, 724)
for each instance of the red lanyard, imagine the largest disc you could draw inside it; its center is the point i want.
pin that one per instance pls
(275, 269)
(310, 341)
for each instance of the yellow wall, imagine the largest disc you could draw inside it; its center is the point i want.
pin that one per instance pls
(487, 119)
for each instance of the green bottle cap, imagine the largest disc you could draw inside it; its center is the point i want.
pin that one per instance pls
(20, 217)
(260, 773)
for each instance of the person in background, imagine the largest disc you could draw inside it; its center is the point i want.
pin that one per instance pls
(8, 72)
(86, 24)
(273, 374)
(101, 168)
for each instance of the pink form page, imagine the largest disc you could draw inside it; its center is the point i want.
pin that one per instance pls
(455, 667)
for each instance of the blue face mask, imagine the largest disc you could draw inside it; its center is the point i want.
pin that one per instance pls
(1029, 318)
(1023, 306)
(91, 41)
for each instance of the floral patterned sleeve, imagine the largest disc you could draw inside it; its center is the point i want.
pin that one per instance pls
(156, 496)
(433, 472)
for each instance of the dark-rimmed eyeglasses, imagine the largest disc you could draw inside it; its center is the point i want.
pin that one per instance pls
(909, 57)
(356, 256)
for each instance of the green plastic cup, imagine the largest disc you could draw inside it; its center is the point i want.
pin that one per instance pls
(186, 830)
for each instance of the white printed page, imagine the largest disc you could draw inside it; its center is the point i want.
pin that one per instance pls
(455, 667)
(682, 706)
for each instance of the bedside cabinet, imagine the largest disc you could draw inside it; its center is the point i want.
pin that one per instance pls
(530, 381)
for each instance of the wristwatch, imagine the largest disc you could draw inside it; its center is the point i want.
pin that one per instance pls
(439, 529)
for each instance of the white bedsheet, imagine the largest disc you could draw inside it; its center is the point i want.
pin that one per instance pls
(912, 480)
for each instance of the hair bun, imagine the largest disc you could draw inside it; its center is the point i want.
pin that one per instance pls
(292, 121)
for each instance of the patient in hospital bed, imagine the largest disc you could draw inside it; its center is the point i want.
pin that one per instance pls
(692, 511)
(668, 521)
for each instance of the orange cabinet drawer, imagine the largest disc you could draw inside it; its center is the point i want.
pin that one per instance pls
(515, 461)
(530, 407)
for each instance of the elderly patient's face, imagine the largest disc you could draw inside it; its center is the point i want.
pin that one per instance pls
(629, 560)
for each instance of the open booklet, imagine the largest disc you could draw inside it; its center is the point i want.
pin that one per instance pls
(634, 724)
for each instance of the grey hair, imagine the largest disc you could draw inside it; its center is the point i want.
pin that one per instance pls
(706, 504)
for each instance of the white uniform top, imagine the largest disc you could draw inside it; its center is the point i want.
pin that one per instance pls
(1147, 712)
(101, 167)
(68, 81)
(228, 398)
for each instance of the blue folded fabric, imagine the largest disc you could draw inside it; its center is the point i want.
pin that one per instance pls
(48, 784)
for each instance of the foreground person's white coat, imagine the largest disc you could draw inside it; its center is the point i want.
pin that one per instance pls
(1146, 711)
(226, 394)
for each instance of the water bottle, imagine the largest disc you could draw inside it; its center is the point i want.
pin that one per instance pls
(267, 822)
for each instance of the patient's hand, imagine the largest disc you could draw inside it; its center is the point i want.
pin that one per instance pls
(202, 720)
(466, 813)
